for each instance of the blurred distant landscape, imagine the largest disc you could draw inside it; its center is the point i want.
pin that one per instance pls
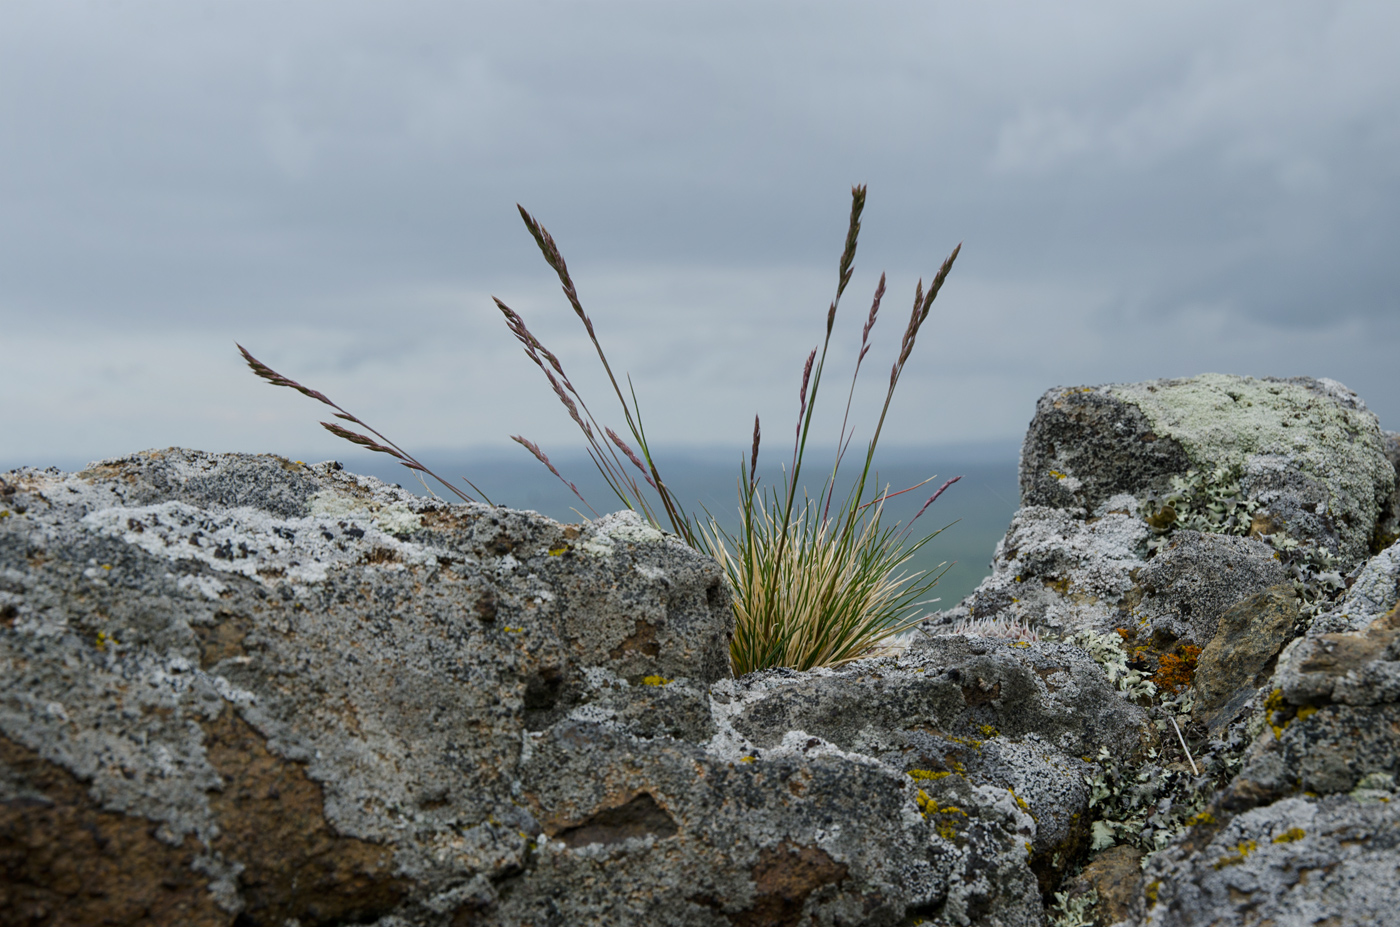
(977, 509)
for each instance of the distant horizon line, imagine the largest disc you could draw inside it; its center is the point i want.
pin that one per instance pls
(988, 451)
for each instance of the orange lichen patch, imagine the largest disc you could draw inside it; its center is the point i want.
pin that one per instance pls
(66, 861)
(1175, 671)
(272, 821)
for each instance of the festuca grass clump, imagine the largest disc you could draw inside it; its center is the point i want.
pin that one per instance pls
(817, 580)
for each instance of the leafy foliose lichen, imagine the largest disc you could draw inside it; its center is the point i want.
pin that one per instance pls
(1213, 502)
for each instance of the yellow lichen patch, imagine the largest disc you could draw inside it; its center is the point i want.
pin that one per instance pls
(1057, 474)
(509, 630)
(103, 639)
(1151, 892)
(926, 774)
(655, 680)
(1290, 835)
(745, 759)
(1242, 850)
(988, 731)
(1019, 800)
(1205, 817)
(1277, 711)
(557, 551)
(1306, 711)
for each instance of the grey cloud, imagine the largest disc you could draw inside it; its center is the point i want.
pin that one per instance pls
(272, 171)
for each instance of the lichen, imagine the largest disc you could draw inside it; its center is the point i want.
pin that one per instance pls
(1224, 421)
(1242, 850)
(1175, 671)
(1105, 651)
(1074, 910)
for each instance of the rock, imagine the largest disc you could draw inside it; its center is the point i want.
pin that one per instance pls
(1114, 878)
(239, 689)
(1241, 656)
(1060, 572)
(1308, 450)
(1089, 444)
(1299, 861)
(1388, 526)
(1195, 579)
(1349, 654)
(1003, 717)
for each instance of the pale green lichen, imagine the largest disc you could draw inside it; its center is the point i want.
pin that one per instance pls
(1108, 654)
(1074, 911)
(391, 519)
(1223, 421)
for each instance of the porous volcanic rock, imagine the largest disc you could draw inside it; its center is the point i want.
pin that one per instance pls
(236, 689)
(1303, 860)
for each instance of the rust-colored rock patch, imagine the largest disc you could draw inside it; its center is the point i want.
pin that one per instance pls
(64, 862)
(273, 822)
(785, 876)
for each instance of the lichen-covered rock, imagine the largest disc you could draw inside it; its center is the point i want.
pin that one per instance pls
(1309, 451)
(238, 689)
(1299, 861)
(1229, 514)
(1306, 832)
(1000, 717)
(1298, 463)
(1191, 582)
(1349, 655)
(1240, 658)
(304, 689)
(1059, 571)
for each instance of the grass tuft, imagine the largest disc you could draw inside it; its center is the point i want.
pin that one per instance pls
(816, 582)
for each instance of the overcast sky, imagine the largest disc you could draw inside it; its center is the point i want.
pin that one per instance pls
(1141, 190)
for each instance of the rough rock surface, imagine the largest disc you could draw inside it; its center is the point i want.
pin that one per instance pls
(1308, 455)
(1307, 832)
(240, 690)
(1298, 861)
(1311, 453)
(1318, 713)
